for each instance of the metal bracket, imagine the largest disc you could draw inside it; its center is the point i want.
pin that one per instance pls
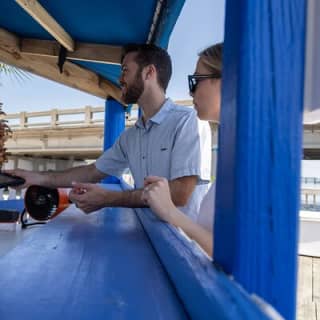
(62, 58)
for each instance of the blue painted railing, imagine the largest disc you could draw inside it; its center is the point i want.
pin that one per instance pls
(97, 266)
(205, 290)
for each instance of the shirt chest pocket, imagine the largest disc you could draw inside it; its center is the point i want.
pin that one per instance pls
(160, 161)
(164, 148)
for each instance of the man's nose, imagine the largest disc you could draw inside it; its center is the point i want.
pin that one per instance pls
(120, 79)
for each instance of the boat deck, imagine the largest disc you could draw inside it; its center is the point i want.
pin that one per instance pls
(308, 300)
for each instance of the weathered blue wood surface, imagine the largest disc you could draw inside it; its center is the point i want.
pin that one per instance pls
(107, 21)
(206, 292)
(12, 205)
(166, 22)
(98, 266)
(10, 233)
(260, 148)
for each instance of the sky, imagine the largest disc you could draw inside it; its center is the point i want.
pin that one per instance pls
(200, 24)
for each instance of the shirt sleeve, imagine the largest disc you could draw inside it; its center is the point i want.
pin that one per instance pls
(186, 157)
(114, 160)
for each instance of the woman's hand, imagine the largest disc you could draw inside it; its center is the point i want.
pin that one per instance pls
(156, 194)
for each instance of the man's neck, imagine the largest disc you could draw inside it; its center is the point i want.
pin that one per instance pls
(151, 104)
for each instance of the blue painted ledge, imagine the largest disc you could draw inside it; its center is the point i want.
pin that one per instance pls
(12, 205)
(97, 266)
(105, 266)
(206, 292)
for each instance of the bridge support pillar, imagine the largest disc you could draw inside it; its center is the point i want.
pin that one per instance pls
(114, 124)
(15, 163)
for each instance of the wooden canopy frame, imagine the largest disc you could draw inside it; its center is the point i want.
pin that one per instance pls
(40, 56)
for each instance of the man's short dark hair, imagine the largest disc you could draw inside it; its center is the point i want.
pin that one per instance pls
(151, 54)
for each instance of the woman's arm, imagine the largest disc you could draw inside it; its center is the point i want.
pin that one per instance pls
(194, 230)
(157, 195)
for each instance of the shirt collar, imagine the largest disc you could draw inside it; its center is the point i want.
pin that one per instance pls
(159, 116)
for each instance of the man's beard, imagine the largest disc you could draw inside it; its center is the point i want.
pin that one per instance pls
(134, 91)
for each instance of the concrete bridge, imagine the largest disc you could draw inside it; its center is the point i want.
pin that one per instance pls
(62, 138)
(54, 139)
(59, 138)
(63, 134)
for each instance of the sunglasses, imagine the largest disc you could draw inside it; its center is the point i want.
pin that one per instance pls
(194, 79)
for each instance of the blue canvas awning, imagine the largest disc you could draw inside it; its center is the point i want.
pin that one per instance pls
(31, 37)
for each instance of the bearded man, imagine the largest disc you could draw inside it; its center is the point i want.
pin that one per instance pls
(163, 142)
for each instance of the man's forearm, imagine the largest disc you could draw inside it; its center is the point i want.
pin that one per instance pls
(128, 198)
(87, 173)
(181, 189)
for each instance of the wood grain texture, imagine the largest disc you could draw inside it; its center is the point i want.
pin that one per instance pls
(83, 51)
(305, 280)
(206, 292)
(40, 14)
(98, 266)
(73, 75)
(308, 288)
(316, 280)
(257, 200)
(307, 311)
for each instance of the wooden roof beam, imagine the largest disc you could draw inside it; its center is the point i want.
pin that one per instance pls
(73, 75)
(83, 51)
(39, 13)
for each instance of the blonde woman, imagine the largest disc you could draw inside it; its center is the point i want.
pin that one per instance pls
(205, 88)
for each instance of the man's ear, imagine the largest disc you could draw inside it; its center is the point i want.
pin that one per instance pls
(151, 72)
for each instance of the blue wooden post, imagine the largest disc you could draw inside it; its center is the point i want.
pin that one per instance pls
(114, 124)
(258, 176)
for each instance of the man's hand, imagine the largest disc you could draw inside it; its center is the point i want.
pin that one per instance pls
(89, 197)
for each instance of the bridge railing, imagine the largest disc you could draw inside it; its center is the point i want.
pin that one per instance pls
(310, 193)
(87, 116)
(310, 180)
(54, 118)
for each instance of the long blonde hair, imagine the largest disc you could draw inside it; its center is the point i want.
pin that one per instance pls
(212, 58)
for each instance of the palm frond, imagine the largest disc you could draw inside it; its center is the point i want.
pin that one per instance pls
(14, 72)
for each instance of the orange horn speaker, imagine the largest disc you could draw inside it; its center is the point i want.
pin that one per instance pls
(44, 203)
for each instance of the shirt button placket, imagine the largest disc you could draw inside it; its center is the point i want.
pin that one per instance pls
(143, 153)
